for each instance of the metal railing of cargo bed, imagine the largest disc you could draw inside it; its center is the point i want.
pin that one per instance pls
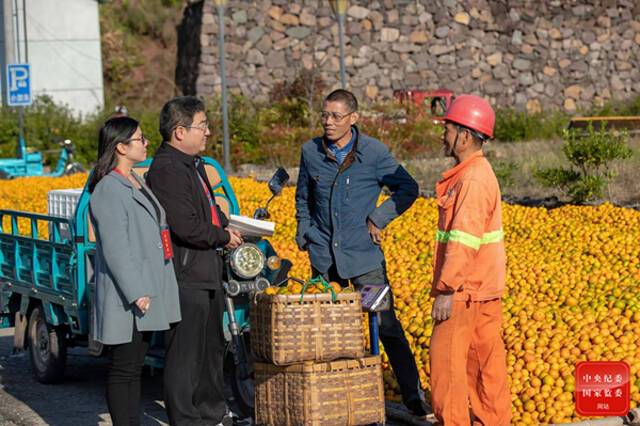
(39, 265)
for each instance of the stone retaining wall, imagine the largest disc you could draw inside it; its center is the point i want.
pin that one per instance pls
(526, 54)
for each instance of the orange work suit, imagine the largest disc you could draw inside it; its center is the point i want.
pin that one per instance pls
(468, 357)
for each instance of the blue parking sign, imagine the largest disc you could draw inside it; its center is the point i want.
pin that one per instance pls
(18, 85)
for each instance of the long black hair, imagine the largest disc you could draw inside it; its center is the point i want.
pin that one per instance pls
(114, 131)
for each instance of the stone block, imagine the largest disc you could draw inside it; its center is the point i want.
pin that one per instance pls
(419, 37)
(392, 16)
(275, 12)
(569, 105)
(526, 79)
(389, 35)
(289, 19)
(440, 49)
(307, 18)
(564, 63)
(462, 18)
(573, 91)
(442, 32)
(254, 34)
(493, 87)
(377, 19)
(239, 17)
(298, 32)
(521, 64)
(358, 12)
(617, 84)
(371, 91)
(534, 106)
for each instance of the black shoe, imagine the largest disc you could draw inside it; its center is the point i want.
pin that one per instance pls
(226, 421)
(417, 407)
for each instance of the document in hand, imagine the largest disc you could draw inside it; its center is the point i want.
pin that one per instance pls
(249, 227)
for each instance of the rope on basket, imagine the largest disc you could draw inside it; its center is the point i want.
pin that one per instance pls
(325, 286)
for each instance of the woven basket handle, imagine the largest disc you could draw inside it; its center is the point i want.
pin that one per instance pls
(325, 285)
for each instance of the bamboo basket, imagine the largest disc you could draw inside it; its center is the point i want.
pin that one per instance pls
(345, 392)
(288, 329)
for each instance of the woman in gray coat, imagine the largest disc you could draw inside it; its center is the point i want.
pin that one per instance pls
(136, 289)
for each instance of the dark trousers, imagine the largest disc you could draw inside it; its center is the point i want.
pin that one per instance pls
(123, 380)
(193, 371)
(391, 334)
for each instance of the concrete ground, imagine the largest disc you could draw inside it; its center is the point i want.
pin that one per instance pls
(80, 399)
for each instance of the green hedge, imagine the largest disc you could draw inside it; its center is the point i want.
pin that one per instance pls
(269, 133)
(47, 124)
(516, 126)
(626, 108)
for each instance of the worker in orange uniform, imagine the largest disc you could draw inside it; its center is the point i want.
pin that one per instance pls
(468, 359)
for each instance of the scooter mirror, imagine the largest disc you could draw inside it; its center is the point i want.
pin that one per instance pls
(278, 181)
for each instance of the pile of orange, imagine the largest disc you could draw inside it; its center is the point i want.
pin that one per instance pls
(573, 281)
(30, 195)
(294, 287)
(573, 287)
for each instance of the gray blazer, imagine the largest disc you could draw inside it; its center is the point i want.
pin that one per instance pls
(129, 263)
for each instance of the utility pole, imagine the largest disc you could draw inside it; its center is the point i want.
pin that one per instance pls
(223, 86)
(10, 50)
(21, 145)
(24, 31)
(340, 8)
(7, 15)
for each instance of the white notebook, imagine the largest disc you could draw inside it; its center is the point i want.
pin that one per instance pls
(251, 227)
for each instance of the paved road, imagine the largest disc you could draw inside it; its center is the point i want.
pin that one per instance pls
(78, 401)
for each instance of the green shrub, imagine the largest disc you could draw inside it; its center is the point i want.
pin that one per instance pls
(513, 126)
(45, 126)
(269, 133)
(504, 171)
(407, 133)
(243, 128)
(625, 108)
(590, 156)
(308, 86)
(138, 42)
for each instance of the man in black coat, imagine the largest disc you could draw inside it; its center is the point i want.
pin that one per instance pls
(193, 376)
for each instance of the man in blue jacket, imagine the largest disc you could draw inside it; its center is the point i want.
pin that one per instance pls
(341, 176)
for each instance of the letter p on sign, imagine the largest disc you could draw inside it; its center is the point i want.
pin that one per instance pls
(19, 85)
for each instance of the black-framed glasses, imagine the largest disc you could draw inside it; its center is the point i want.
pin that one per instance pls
(335, 116)
(203, 127)
(141, 139)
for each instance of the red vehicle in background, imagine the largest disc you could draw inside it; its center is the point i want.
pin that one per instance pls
(437, 101)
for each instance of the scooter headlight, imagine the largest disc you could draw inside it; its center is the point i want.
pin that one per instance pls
(247, 261)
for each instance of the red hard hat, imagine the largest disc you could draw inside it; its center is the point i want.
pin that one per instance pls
(473, 112)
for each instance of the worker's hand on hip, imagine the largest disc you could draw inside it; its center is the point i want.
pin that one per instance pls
(375, 232)
(143, 304)
(441, 310)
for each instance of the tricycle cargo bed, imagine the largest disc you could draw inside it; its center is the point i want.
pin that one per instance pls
(34, 263)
